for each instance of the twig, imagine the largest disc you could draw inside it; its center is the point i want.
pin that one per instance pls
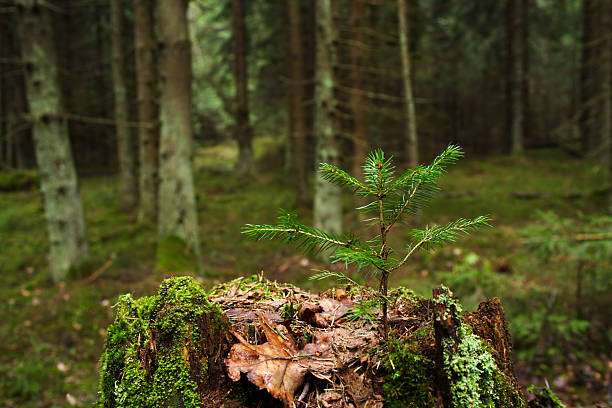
(109, 262)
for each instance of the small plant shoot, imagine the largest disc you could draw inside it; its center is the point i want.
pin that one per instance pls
(392, 198)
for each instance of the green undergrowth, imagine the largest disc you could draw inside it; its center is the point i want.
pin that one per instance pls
(173, 255)
(18, 180)
(154, 349)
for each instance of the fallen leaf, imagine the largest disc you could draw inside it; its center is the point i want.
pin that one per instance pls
(278, 366)
(311, 313)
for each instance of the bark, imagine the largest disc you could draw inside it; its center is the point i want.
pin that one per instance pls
(244, 132)
(177, 205)
(63, 210)
(327, 211)
(297, 104)
(125, 143)
(587, 77)
(517, 75)
(101, 85)
(606, 125)
(4, 111)
(410, 130)
(15, 140)
(148, 109)
(357, 61)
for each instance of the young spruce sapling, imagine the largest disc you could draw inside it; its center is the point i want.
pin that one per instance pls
(392, 199)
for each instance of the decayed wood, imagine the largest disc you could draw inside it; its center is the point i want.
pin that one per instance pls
(283, 346)
(446, 326)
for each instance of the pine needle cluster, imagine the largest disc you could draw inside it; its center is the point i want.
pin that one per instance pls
(392, 198)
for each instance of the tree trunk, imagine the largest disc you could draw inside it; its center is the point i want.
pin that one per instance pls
(58, 179)
(244, 131)
(101, 85)
(357, 65)
(411, 140)
(125, 142)
(297, 109)
(177, 205)
(327, 211)
(517, 88)
(606, 125)
(5, 31)
(588, 76)
(148, 110)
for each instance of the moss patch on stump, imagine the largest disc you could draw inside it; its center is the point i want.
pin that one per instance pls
(164, 350)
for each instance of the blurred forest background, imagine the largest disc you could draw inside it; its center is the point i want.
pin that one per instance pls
(137, 137)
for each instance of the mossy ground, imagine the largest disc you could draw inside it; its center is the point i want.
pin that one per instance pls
(51, 337)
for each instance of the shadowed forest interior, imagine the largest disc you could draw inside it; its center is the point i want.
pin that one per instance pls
(137, 138)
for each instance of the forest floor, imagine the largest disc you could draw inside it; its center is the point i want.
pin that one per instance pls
(51, 336)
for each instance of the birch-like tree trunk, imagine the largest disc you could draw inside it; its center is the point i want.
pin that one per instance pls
(125, 142)
(148, 109)
(327, 211)
(63, 210)
(410, 132)
(177, 205)
(244, 131)
(297, 104)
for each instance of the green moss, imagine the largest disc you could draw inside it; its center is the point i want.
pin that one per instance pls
(268, 289)
(173, 255)
(407, 382)
(544, 398)
(124, 338)
(155, 354)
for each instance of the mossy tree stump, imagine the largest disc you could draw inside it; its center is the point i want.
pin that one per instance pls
(165, 350)
(256, 343)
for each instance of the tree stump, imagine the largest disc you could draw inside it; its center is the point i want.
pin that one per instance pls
(255, 343)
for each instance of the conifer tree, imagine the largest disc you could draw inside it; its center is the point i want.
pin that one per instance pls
(391, 199)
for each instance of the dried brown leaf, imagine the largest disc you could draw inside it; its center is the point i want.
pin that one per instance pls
(277, 365)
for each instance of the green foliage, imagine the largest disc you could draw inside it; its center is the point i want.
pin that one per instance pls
(573, 254)
(408, 378)
(544, 398)
(364, 311)
(392, 199)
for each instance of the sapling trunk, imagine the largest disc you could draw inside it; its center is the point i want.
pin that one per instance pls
(393, 198)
